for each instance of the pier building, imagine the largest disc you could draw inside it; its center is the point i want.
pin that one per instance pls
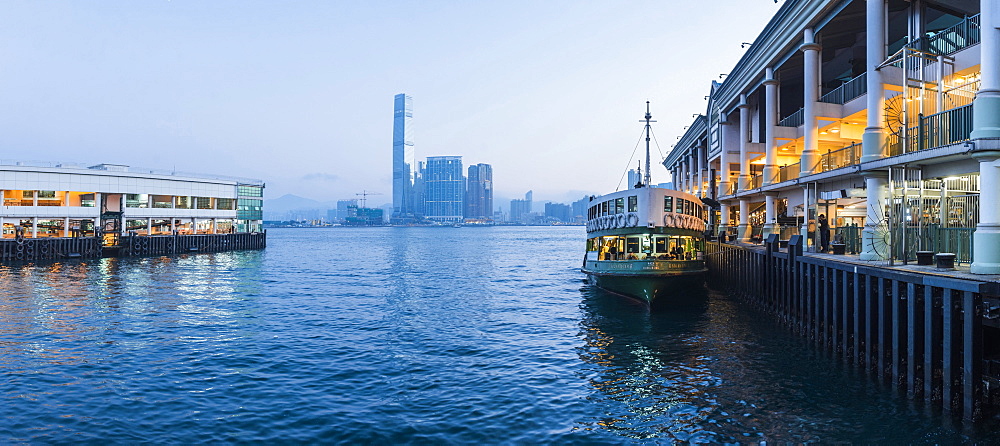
(883, 116)
(110, 201)
(870, 129)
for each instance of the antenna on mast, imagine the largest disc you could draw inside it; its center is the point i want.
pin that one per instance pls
(647, 179)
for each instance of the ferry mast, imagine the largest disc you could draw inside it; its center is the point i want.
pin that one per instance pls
(647, 179)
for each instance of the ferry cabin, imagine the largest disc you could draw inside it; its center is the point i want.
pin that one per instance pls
(645, 224)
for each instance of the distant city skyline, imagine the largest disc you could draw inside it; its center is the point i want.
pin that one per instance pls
(548, 93)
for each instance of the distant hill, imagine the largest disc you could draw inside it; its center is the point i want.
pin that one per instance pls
(280, 208)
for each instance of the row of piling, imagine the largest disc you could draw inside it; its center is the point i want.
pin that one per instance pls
(930, 335)
(22, 250)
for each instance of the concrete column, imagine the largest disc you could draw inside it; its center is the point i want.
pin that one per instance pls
(986, 239)
(873, 236)
(744, 179)
(873, 140)
(149, 226)
(986, 107)
(65, 226)
(723, 158)
(804, 229)
(769, 213)
(810, 151)
(214, 228)
(770, 121)
(744, 228)
(34, 220)
(724, 217)
(702, 188)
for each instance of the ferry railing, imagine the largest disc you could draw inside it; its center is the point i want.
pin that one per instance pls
(847, 91)
(788, 173)
(847, 156)
(951, 40)
(793, 120)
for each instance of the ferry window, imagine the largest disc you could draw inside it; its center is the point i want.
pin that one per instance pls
(668, 204)
(619, 205)
(660, 244)
(633, 203)
(604, 208)
(680, 205)
(632, 245)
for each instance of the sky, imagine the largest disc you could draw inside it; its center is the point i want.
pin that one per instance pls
(300, 94)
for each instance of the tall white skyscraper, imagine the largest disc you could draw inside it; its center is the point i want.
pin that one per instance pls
(403, 156)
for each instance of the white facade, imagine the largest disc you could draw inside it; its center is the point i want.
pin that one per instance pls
(62, 200)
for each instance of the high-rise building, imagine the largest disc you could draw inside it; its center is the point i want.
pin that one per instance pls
(520, 210)
(559, 211)
(634, 177)
(403, 172)
(343, 208)
(444, 189)
(479, 192)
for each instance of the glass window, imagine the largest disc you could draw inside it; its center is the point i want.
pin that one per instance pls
(249, 209)
(632, 245)
(182, 202)
(604, 208)
(226, 204)
(633, 203)
(660, 244)
(619, 205)
(162, 201)
(668, 204)
(250, 191)
(47, 194)
(87, 200)
(203, 202)
(136, 200)
(27, 194)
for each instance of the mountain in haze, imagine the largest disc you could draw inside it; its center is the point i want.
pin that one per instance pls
(292, 206)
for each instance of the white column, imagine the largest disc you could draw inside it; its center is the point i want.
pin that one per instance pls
(769, 213)
(34, 220)
(744, 228)
(696, 172)
(804, 229)
(770, 121)
(149, 226)
(723, 158)
(986, 108)
(724, 219)
(986, 133)
(702, 187)
(744, 178)
(873, 140)
(873, 236)
(873, 246)
(214, 229)
(65, 226)
(810, 129)
(986, 239)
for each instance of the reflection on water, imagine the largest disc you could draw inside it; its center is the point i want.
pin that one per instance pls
(417, 335)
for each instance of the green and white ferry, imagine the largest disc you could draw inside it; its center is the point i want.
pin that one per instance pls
(646, 242)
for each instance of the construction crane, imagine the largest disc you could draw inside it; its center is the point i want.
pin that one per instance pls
(364, 197)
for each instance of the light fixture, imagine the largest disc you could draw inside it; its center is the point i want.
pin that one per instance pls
(834, 130)
(822, 133)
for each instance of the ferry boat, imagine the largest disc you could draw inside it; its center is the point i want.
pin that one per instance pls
(646, 242)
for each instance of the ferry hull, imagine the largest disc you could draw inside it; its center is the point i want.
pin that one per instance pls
(652, 289)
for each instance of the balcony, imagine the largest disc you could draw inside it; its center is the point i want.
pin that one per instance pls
(937, 130)
(951, 40)
(793, 120)
(847, 91)
(788, 173)
(840, 158)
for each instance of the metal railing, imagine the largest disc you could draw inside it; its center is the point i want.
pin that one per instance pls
(937, 130)
(788, 173)
(951, 40)
(847, 91)
(954, 240)
(756, 181)
(850, 236)
(793, 120)
(848, 156)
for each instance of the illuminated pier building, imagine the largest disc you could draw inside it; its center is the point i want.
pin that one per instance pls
(63, 200)
(882, 115)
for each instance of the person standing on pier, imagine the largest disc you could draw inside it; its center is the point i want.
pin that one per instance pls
(824, 233)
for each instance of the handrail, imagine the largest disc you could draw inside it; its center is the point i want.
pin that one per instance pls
(847, 156)
(952, 39)
(847, 91)
(793, 120)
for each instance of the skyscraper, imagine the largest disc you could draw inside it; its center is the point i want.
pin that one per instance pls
(520, 210)
(444, 189)
(479, 193)
(402, 160)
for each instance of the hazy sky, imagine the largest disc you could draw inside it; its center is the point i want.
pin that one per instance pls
(300, 93)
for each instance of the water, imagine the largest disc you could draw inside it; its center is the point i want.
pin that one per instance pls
(416, 335)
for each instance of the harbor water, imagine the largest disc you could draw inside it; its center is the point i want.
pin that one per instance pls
(412, 335)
